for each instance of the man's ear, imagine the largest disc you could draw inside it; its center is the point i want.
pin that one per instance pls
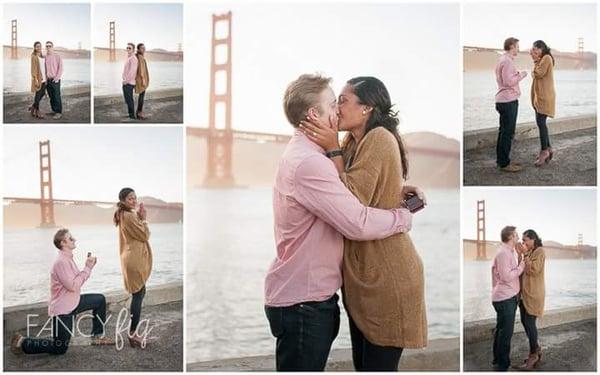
(313, 113)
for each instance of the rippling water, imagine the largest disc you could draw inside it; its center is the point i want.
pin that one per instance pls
(575, 95)
(29, 254)
(569, 283)
(230, 246)
(163, 75)
(17, 75)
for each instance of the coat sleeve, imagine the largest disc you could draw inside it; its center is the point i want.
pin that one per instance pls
(541, 68)
(32, 69)
(535, 262)
(377, 149)
(133, 227)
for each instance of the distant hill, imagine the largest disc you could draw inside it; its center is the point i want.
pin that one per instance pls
(158, 54)
(554, 250)
(474, 60)
(65, 53)
(255, 164)
(26, 215)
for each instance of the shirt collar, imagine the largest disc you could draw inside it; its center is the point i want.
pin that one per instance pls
(299, 135)
(67, 253)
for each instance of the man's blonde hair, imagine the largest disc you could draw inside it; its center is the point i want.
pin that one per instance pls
(302, 94)
(59, 237)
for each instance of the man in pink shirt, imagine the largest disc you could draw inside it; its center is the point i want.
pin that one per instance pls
(54, 71)
(506, 270)
(313, 212)
(507, 103)
(129, 74)
(66, 302)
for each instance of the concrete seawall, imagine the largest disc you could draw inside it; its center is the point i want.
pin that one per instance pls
(476, 139)
(15, 317)
(567, 338)
(26, 97)
(161, 106)
(482, 329)
(440, 355)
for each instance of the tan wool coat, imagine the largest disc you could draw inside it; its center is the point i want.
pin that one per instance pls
(533, 290)
(36, 75)
(135, 251)
(383, 289)
(142, 78)
(543, 97)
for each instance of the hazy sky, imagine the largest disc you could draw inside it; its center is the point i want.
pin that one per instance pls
(557, 215)
(95, 163)
(414, 49)
(559, 25)
(155, 25)
(65, 24)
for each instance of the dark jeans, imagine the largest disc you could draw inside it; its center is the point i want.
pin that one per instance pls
(370, 357)
(508, 122)
(540, 119)
(136, 308)
(39, 94)
(128, 94)
(528, 322)
(53, 89)
(304, 333)
(505, 324)
(140, 106)
(62, 327)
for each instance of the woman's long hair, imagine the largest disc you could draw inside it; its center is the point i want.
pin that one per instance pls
(537, 241)
(372, 92)
(545, 49)
(137, 49)
(35, 44)
(121, 206)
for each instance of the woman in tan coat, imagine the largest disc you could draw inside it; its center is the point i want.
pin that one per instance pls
(543, 96)
(142, 80)
(383, 279)
(136, 255)
(533, 293)
(38, 79)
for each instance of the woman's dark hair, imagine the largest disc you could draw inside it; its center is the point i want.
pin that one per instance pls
(545, 49)
(35, 44)
(531, 234)
(372, 92)
(121, 206)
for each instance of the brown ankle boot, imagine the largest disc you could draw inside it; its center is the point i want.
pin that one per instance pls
(530, 362)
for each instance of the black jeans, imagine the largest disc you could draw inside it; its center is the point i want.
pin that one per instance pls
(505, 324)
(140, 106)
(304, 333)
(128, 94)
(136, 308)
(53, 89)
(39, 94)
(528, 322)
(63, 326)
(370, 357)
(540, 120)
(508, 122)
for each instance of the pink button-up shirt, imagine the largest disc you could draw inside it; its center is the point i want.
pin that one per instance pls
(505, 274)
(507, 78)
(54, 67)
(65, 283)
(130, 69)
(313, 210)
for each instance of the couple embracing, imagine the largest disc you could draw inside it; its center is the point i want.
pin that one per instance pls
(342, 220)
(46, 74)
(135, 79)
(66, 280)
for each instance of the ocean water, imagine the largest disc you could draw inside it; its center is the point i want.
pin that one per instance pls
(163, 75)
(17, 76)
(569, 283)
(29, 254)
(230, 246)
(575, 95)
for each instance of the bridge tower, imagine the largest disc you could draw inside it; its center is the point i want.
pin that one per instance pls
(481, 255)
(14, 53)
(220, 139)
(46, 201)
(112, 51)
